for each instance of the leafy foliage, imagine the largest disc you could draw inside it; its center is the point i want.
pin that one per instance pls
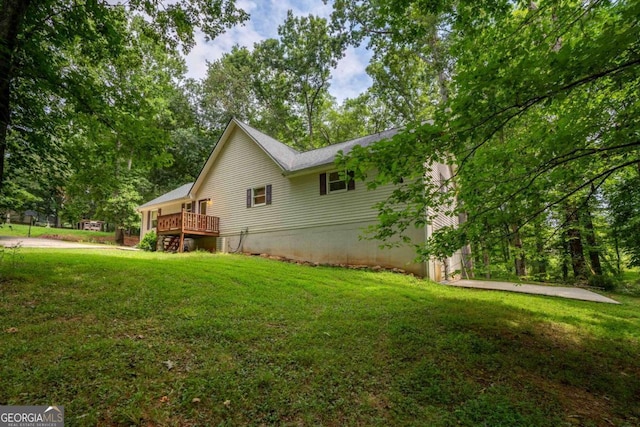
(149, 242)
(539, 116)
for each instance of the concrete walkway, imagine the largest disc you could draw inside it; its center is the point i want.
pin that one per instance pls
(556, 291)
(34, 242)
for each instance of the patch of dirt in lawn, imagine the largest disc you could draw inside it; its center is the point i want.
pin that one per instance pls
(580, 406)
(128, 240)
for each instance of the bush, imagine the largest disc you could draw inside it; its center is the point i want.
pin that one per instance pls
(149, 242)
(603, 282)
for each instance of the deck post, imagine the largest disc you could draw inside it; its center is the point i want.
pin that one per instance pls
(181, 248)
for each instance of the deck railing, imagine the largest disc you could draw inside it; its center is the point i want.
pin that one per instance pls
(186, 222)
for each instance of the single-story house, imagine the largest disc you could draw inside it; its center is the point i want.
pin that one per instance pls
(257, 195)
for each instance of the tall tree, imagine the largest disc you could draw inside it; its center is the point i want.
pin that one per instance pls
(35, 38)
(294, 72)
(541, 111)
(227, 90)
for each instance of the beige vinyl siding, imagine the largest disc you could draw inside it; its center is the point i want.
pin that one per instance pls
(171, 209)
(297, 203)
(437, 171)
(436, 267)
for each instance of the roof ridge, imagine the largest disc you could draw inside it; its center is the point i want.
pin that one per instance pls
(354, 139)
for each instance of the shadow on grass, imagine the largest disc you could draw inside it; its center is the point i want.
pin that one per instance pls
(489, 363)
(198, 340)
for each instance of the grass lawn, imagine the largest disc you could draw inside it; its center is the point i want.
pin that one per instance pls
(67, 234)
(124, 338)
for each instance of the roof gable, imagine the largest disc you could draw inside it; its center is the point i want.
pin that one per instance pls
(290, 161)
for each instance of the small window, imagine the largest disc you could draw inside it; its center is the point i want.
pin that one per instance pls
(188, 207)
(336, 183)
(154, 218)
(259, 196)
(333, 182)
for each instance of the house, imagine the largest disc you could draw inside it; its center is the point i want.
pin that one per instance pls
(257, 195)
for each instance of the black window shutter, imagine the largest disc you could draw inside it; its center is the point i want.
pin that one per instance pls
(183, 206)
(249, 197)
(269, 194)
(323, 184)
(148, 220)
(351, 183)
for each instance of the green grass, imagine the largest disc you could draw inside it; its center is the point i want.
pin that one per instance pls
(21, 230)
(124, 338)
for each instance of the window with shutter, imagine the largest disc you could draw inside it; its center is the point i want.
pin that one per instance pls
(334, 182)
(259, 196)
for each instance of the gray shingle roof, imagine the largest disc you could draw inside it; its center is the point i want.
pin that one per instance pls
(181, 192)
(291, 160)
(282, 154)
(327, 155)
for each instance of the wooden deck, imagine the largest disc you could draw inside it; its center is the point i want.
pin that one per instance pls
(188, 223)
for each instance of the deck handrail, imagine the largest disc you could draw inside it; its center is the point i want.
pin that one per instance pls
(186, 222)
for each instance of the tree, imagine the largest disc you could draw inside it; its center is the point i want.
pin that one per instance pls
(293, 73)
(540, 115)
(228, 90)
(37, 37)
(624, 198)
(412, 63)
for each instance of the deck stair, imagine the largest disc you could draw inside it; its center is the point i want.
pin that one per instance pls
(171, 244)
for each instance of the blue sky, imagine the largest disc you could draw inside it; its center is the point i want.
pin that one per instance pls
(349, 79)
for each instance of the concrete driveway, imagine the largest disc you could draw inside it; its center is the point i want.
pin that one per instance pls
(556, 291)
(34, 242)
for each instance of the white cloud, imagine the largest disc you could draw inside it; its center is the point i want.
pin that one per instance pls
(349, 79)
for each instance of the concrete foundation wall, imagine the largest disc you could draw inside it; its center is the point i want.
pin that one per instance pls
(333, 245)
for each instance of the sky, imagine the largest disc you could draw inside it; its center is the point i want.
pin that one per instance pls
(349, 78)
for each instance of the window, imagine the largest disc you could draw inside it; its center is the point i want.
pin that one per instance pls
(154, 218)
(336, 183)
(259, 196)
(333, 182)
(202, 206)
(188, 207)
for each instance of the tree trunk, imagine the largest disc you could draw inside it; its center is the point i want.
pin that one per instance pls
(12, 13)
(465, 252)
(576, 251)
(486, 261)
(540, 261)
(590, 237)
(119, 236)
(518, 256)
(565, 257)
